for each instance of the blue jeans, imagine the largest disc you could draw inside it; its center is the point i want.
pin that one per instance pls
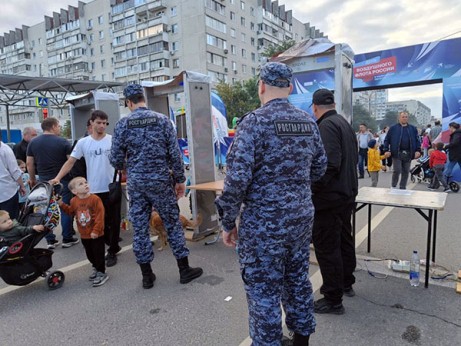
(66, 220)
(449, 168)
(11, 206)
(363, 158)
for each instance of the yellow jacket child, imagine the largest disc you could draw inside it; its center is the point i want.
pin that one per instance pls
(374, 161)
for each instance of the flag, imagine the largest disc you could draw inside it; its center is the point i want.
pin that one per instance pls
(218, 112)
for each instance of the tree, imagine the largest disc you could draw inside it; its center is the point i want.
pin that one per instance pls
(362, 116)
(66, 131)
(392, 118)
(275, 49)
(239, 98)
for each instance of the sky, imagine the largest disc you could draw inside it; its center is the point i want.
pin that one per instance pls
(366, 25)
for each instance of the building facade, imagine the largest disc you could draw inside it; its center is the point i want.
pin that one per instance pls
(135, 40)
(374, 101)
(417, 108)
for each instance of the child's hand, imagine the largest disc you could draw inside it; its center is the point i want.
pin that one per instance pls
(38, 228)
(93, 235)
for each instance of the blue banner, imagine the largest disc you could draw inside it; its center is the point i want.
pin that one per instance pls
(306, 83)
(451, 112)
(419, 63)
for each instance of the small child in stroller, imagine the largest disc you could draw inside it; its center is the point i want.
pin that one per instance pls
(11, 230)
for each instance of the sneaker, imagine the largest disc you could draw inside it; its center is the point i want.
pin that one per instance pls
(447, 190)
(431, 188)
(52, 244)
(93, 275)
(100, 279)
(111, 260)
(70, 242)
(323, 306)
(349, 292)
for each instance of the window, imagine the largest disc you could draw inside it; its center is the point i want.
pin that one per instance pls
(100, 20)
(101, 35)
(253, 57)
(90, 24)
(173, 11)
(232, 16)
(216, 41)
(177, 97)
(232, 32)
(175, 63)
(101, 49)
(103, 63)
(233, 49)
(215, 24)
(174, 45)
(91, 51)
(242, 21)
(174, 28)
(242, 5)
(243, 37)
(234, 66)
(244, 53)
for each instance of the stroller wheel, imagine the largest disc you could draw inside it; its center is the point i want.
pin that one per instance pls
(454, 186)
(55, 280)
(412, 178)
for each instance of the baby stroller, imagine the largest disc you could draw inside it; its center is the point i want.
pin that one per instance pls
(20, 262)
(421, 172)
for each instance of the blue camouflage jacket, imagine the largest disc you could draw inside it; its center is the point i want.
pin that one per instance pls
(275, 155)
(146, 142)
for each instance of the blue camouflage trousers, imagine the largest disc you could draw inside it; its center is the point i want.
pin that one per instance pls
(281, 275)
(145, 194)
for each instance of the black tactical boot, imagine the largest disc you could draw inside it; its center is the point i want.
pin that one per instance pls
(186, 273)
(148, 277)
(300, 340)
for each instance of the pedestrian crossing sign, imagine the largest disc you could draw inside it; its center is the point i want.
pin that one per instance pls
(41, 102)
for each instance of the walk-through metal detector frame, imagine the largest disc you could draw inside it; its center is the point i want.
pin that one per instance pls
(81, 107)
(197, 91)
(321, 54)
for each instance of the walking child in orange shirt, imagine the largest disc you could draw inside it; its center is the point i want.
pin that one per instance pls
(374, 161)
(89, 214)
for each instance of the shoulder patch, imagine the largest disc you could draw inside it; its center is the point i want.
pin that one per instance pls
(141, 122)
(292, 128)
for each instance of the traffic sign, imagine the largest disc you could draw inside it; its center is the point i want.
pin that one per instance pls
(41, 102)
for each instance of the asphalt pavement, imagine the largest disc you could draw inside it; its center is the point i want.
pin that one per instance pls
(212, 310)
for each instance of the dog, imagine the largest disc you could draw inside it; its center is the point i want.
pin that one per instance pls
(158, 229)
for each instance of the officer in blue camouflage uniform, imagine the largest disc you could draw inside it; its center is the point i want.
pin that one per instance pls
(145, 142)
(276, 153)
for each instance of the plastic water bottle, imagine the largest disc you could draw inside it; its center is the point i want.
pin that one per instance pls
(414, 269)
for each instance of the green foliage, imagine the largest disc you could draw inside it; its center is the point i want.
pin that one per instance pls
(275, 49)
(239, 98)
(392, 117)
(361, 115)
(66, 131)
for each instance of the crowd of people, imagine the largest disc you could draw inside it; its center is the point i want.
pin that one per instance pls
(85, 196)
(292, 180)
(394, 148)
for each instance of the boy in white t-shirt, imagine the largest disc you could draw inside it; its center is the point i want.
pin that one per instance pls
(95, 148)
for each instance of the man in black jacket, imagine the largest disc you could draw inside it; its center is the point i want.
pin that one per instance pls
(20, 149)
(403, 145)
(334, 201)
(454, 148)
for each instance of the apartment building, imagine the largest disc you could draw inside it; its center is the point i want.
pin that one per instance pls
(417, 108)
(135, 40)
(374, 101)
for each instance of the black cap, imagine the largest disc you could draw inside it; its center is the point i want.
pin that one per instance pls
(454, 125)
(323, 97)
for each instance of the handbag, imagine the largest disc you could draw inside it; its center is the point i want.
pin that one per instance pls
(115, 189)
